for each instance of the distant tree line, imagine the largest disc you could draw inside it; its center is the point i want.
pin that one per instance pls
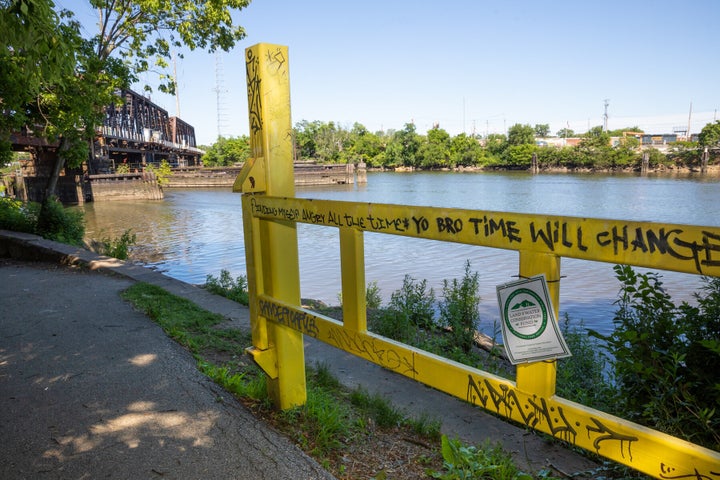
(328, 142)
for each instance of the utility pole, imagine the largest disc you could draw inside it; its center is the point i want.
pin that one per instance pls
(605, 116)
(177, 86)
(219, 91)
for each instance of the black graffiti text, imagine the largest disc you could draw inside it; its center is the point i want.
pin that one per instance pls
(554, 233)
(490, 226)
(705, 253)
(398, 224)
(298, 320)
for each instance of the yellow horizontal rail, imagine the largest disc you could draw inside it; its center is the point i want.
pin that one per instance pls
(681, 248)
(639, 447)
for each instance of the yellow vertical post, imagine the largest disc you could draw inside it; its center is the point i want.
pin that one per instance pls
(352, 264)
(273, 243)
(539, 377)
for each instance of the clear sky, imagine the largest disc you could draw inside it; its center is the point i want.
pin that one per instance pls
(473, 66)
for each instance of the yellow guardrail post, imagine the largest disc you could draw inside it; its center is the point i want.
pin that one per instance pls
(540, 377)
(271, 244)
(352, 265)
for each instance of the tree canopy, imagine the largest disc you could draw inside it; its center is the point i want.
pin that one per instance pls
(330, 142)
(710, 135)
(58, 82)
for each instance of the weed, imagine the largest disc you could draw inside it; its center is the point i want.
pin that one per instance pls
(50, 220)
(489, 461)
(376, 407)
(162, 172)
(119, 247)
(226, 286)
(415, 302)
(459, 308)
(373, 299)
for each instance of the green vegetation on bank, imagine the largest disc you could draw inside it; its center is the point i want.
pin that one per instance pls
(59, 223)
(660, 367)
(335, 420)
(328, 142)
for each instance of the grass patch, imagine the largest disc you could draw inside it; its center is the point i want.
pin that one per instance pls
(352, 433)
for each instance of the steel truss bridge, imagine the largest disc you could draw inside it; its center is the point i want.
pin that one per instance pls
(138, 132)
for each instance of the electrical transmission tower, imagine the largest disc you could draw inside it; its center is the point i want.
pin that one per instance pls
(605, 116)
(219, 95)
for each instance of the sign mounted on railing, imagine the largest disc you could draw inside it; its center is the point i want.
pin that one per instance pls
(529, 329)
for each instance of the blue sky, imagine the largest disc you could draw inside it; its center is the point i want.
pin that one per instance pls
(477, 66)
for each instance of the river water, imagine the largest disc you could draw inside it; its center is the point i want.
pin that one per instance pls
(195, 233)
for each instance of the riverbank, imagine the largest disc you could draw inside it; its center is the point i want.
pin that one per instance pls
(671, 170)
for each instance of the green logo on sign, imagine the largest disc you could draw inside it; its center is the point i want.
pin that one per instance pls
(525, 314)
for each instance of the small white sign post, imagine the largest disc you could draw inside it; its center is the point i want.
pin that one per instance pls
(529, 329)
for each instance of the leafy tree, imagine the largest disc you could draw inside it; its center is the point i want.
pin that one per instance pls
(620, 132)
(542, 130)
(435, 152)
(465, 151)
(143, 32)
(496, 143)
(227, 151)
(565, 133)
(404, 147)
(331, 143)
(38, 51)
(521, 135)
(366, 146)
(596, 137)
(684, 153)
(519, 156)
(68, 95)
(710, 135)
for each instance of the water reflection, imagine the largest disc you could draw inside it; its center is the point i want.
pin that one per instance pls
(194, 233)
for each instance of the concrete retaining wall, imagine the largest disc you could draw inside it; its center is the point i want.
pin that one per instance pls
(125, 186)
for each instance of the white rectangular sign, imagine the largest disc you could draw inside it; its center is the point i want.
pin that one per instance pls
(529, 328)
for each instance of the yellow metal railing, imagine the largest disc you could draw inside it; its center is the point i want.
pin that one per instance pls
(270, 215)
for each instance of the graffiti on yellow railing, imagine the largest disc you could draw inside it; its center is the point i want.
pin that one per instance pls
(270, 214)
(683, 248)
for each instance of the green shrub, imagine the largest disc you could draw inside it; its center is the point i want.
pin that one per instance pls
(58, 223)
(666, 358)
(582, 377)
(162, 172)
(414, 301)
(119, 247)
(489, 461)
(234, 289)
(18, 216)
(373, 299)
(459, 308)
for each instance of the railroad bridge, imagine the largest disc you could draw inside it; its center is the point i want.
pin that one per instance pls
(135, 133)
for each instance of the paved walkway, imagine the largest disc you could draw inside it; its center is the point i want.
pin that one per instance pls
(90, 388)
